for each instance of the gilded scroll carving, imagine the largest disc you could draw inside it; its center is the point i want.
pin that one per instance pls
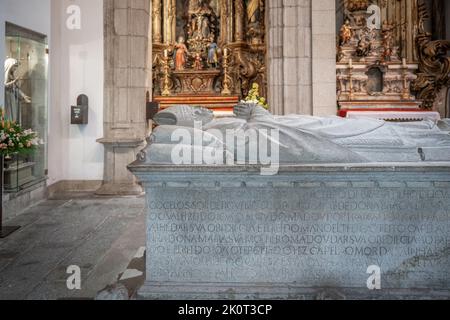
(434, 65)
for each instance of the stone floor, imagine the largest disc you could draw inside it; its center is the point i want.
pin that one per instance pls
(100, 235)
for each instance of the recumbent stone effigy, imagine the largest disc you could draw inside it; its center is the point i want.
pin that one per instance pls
(350, 194)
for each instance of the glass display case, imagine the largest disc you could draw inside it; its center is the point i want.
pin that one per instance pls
(26, 102)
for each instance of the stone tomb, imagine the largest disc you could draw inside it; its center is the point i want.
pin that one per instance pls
(310, 232)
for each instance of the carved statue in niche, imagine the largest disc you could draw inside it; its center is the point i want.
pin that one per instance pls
(201, 25)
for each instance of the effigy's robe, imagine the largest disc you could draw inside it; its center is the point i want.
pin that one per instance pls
(307, 139)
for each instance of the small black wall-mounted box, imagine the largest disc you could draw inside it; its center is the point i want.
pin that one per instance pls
(152, 109)
(80, 113)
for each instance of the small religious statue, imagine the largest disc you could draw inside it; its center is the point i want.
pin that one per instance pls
(13, 93)
(213, 59)
(198, 62)
(180, 56)
(346, 33)
(363, 48)
(387, 40)
(364, 45)
(253, 96)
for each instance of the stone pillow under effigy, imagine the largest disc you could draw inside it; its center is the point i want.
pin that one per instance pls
(169, 135)
(184, 116)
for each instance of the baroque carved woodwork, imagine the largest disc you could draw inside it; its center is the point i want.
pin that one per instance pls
(369, 65)
(434, 65)
(370, 68)
(209, 28)
(402, 14)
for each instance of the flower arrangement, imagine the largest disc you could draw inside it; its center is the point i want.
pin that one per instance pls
(14, 139)
(253, 97)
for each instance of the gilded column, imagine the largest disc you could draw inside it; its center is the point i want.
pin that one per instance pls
(239, 23)
(173, 20)
(156, 16)
(230, 21)
(170, 8)
(412, 25)
(223, 22)
(403, 13)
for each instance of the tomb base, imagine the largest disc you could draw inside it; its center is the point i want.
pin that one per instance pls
(312, 232)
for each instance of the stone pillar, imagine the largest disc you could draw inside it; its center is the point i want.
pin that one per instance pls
(275, 56)
(239, 23)
(156, 17)
(302, 57)
(324, 57)
(127, 46)
(289, 56)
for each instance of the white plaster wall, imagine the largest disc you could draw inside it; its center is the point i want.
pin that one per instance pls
(77, 61)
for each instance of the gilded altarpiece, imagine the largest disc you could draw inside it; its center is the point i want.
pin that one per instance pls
(208, 52)
(377, 56)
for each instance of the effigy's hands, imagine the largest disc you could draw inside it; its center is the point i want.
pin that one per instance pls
(250, 110)
(244, 110)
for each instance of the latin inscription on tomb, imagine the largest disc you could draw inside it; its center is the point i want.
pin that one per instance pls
(305, 236)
